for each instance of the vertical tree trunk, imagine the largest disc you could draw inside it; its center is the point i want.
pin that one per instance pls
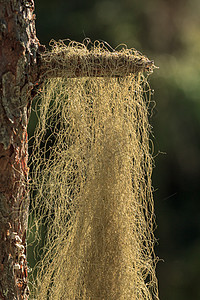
(18, 55)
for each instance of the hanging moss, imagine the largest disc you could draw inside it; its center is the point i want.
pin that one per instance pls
(91, 180)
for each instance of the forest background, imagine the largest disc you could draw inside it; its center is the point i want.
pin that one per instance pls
(168, 32)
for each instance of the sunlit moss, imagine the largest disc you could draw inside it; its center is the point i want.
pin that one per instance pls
(91, 177)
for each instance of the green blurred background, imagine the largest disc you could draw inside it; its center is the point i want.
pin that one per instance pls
(167, 31)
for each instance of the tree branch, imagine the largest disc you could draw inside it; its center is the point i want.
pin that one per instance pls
(92, 64)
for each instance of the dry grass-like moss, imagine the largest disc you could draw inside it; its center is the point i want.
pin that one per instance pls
(80, 60)
(91, 181)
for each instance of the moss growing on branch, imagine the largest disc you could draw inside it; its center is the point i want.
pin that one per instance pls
(80, 60)
(92, 183)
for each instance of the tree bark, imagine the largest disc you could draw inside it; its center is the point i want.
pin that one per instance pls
(18, 69)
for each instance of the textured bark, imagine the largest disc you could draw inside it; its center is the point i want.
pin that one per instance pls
(18, 69)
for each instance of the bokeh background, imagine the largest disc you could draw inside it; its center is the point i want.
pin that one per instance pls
(167, 31)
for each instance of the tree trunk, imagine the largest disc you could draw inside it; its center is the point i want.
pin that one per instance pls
(18, 51)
